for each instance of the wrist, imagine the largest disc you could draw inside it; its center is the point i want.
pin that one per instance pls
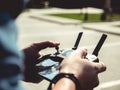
(65, 83)
(72, 71)
(72, 80)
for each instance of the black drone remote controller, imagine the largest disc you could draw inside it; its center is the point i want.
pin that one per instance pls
(49, 65)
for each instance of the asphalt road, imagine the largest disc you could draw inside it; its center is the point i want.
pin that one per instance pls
(32, 30)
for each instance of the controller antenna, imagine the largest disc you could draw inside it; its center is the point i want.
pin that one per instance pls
(99, 45)
(77, 41)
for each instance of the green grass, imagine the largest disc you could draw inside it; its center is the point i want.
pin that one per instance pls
(118, 25)
(91, 17)
(115, 17)
(26, 10)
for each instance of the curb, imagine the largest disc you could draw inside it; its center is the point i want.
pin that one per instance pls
(106, 27)
(57, 20)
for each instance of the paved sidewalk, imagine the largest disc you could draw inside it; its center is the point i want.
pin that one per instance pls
(106, 27)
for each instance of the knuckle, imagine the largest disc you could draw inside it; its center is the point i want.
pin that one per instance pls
(97, 83)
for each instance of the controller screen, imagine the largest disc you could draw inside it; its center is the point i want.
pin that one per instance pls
(48, 69)
(67, 52)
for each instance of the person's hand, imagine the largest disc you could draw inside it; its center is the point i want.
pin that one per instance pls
(85, 71)
(31, 54)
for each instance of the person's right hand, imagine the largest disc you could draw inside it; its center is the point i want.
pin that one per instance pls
(84, 70)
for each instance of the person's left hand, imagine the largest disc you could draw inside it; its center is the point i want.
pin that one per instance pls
(31, 54)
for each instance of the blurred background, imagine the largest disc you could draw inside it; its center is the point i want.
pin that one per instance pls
(61, 21)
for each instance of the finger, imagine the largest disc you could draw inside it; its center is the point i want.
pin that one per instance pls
(100, 67)
(82, 52)
(39, 58)
(45, 44)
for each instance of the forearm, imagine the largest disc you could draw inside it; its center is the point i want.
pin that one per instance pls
(65, 84)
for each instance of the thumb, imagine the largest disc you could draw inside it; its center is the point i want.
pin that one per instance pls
(100, 67)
